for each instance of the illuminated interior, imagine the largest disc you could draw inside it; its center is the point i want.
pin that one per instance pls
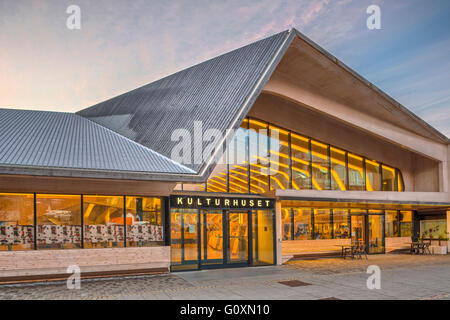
(363, 226)
(263, 157)
(78, 221)
(202, 238)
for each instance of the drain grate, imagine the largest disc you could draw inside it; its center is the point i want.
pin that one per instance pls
(295, 283)
(330, 298)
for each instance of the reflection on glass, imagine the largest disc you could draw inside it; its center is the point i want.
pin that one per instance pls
(16, 221)
(300, 162)
(433, 229)
(263, 250)
(58, 221)
(190, 234)
(392, 223)
(320, 166)
(340, 224)
(212, 237)
(399, 181)
(322, 224)
(258, 150)
(238, 164)
(406, 225)
(238, 237)
(373, 178)
(388, 178)
(338, 170)
(286, 223)
(302, 223)
(376, 232)
(279, 159)
(358, 228)
(103, 221)
(289, 164)
(144, 225)
(218, 177)
(355, 172)
(184, 235)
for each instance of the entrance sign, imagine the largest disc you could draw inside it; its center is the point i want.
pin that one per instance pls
(221, 202)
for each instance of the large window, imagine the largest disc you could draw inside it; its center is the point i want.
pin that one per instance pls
(286, 223)
(259, 156)
(433, 229)
(320, 166)
(392, 228)
(103, 221)
(300, 162)
(16, 221)
(373, 177)
(322, 224)
(338, 169)
(262, 156)
(355, 172)
(238, 165)
(144, 222)
(279, 159)
(302, 223)
(406, 224)
(263, 240)
(58, 220)
(341, 228)
(299, 223)
(388, 178)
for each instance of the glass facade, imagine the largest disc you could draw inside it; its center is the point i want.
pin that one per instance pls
(61, 221)
(202, 238)
(263, 157)
(322, 224)
(144, 221)
(433, 229)
(16, 221)
(369, 227)
(392, 228)
(58, 220)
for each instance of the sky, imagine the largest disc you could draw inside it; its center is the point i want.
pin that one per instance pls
(125, 44)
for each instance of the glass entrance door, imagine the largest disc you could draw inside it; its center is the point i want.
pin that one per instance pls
(214, 238)
(358, 229)
(238, 237)
(368, 229)
(212, 249)
(375, 237)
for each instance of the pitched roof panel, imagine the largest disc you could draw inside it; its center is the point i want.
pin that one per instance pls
(150, 114)
(65, 140)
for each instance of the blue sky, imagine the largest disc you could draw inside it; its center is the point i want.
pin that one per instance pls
(125, 44)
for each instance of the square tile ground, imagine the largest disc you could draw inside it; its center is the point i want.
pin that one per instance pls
(402, 277)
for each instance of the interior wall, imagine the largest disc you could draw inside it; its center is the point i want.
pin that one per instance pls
(290, 115)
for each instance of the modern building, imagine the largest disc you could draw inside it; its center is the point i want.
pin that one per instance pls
(276, 149)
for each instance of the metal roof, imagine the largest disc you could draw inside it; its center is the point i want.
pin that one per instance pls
(212, 92)
(42, 139)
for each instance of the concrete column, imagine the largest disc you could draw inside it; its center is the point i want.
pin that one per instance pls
(278, 232)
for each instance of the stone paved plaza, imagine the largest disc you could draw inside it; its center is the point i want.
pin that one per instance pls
(402, 277)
